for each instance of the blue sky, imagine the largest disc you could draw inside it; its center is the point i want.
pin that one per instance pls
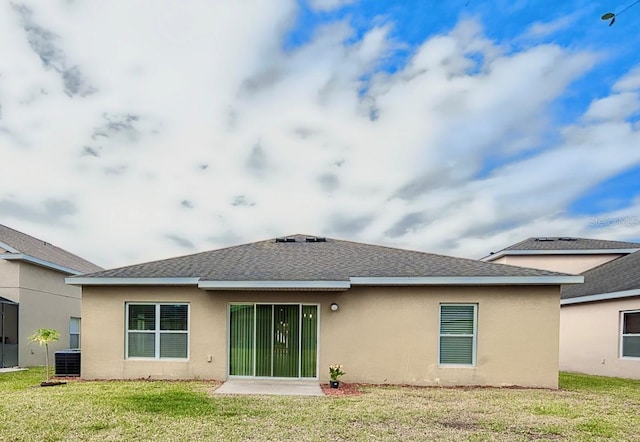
(138, 131)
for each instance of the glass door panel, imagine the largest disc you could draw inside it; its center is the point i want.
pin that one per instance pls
(264, 340)
(286, 340)
(309, 338)
(241, 336)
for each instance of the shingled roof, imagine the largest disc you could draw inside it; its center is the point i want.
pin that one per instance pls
(568, 243)
(21, 246)
(620, 275)
(309, 258)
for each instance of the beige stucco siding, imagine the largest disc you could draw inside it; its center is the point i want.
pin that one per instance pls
(380, 335)
(396, 339)
(45, 302)
(590, 338)
(10, 280)
(573, 264)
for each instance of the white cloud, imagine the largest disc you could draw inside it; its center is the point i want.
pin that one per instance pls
(201, 130)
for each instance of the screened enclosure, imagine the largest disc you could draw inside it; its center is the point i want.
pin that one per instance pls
(273, 340)
(8, 333)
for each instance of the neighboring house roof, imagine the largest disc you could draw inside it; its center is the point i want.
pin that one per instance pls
(303, 261)
(22, 247)
(560, 245)
(615, 279)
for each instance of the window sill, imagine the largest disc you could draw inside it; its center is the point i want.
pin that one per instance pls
(157, 359)
(456, 366)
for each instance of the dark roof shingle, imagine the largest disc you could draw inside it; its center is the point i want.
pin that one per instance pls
(614, 276)
(28, 245)
(332, 260)
(567, 243)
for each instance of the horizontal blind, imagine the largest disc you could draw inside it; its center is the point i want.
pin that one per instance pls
(173, 345)
(457, 330)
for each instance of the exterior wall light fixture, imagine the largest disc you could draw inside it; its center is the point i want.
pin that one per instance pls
(334, 307)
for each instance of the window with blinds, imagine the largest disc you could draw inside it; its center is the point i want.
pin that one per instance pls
(458, 330)
(158, 331)
(74, 332)
(630, 341)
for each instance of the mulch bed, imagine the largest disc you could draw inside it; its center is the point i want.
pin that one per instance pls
(342, 390)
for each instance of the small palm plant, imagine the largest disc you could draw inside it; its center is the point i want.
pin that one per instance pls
(45, 336)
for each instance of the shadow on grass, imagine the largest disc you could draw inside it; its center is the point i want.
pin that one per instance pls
(186, 404)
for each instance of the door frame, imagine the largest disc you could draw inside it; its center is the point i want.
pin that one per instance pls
(300, 305)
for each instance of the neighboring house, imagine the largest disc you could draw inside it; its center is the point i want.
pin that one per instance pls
(562, 254)
(289, 307)
(600, 319)
(33, 295)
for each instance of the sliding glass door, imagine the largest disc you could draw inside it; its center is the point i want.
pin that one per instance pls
(273, 340)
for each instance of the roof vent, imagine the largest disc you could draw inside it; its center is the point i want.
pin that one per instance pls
(544, 239)
(286, 239)
(564, 238)
(315, 239)
(279, 239)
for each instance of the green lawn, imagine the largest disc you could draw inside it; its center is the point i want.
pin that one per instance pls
(585, 408)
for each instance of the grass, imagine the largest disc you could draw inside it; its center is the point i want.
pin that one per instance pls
(586, 408)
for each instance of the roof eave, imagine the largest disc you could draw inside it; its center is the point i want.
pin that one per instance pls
(276, 285)
(502, 253)
(468, 280)
(601, 297)
(108, 281)
(8, 248)
(39, 262)
(328, 285)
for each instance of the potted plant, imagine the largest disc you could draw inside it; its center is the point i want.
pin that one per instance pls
(335, 371)
(45, 336)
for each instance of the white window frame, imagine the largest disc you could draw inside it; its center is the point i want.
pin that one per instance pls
(474, 336)
(157, 332)
(624, 335)
(71, 319)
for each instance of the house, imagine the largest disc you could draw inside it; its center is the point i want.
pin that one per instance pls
(600, 319)
(562, 254)
(289, 307)
(33, 295)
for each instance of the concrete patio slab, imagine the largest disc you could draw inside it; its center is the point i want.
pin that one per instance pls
(270, 387)
(11, 369)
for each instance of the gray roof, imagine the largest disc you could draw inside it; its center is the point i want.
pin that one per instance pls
(569, 243)
(36, 248)
(618, 275)
(300, 260)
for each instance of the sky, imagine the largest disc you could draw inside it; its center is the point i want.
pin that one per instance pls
(136, 130)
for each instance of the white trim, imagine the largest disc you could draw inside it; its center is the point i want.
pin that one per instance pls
(39, 262)
(8, 248)
(469, 280)
(274, 285)
(131, 281)
(601, 297)
(502, 253)
(332, 285)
